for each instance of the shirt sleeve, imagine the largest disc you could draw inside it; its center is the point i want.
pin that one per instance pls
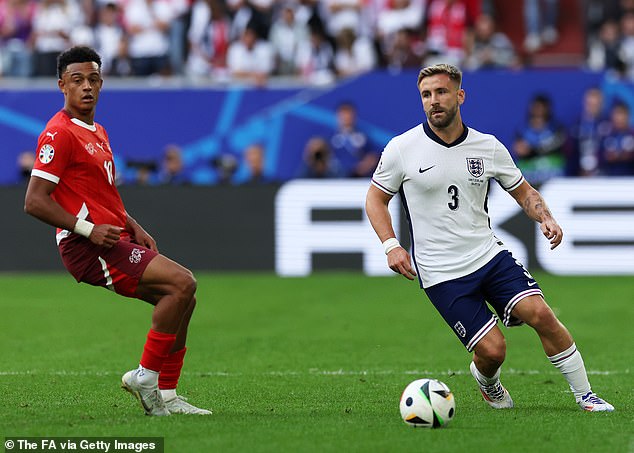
(506, 172)
(53, 155)
(389, 174)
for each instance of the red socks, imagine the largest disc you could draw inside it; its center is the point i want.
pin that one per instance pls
(168, 379)
(156, 350)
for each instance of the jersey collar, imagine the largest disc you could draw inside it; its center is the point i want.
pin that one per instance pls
(431, 134)
(80, 123)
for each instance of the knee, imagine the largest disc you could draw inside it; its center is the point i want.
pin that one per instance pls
(543, 318)
(185, 284)
(493, 352)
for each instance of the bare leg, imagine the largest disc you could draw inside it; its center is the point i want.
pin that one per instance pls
(170, 288)
(535, 312)
(489, 352)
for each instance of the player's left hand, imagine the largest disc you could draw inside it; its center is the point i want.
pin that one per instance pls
(143, 238)
(553, 232)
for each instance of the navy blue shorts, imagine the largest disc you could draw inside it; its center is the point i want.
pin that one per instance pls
(462, 302)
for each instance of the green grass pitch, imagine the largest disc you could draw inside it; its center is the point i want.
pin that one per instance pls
(308, 364)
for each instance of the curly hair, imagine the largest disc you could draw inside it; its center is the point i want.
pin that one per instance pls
(77, 54)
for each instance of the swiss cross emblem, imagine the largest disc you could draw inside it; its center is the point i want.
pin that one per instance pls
(475, 165)
(90, 148)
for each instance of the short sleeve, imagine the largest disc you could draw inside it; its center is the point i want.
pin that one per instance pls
(506, 172)
(52, 155)
(389, 174)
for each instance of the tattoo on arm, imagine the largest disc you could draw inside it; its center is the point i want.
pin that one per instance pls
(536, 208)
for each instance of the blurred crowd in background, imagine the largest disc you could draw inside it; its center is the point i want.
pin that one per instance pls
(319, 42)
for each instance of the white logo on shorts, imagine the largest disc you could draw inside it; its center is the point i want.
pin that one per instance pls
(460, 329)
(136, 256)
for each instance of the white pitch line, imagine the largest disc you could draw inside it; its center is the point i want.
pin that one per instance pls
(313, 372)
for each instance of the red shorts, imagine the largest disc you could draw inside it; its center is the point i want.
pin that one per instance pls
(118, 268)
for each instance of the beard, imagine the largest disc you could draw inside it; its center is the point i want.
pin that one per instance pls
(445, 121)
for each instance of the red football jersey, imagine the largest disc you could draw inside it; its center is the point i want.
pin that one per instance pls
(77, 157)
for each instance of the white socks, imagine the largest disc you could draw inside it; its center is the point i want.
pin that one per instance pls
(149, 378)
(168, 394)
(482, 379)
(570, 363)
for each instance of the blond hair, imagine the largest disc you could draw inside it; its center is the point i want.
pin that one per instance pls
(453, 72)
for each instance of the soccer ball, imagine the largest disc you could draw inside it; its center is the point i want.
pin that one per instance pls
(427, 403)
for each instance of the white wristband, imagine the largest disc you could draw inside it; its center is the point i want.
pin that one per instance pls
(83, 227)
(390, 244)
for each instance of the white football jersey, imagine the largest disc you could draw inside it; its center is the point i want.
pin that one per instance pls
(444, 190)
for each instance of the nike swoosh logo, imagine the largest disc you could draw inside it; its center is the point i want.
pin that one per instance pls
(532, 283)
(421, 170)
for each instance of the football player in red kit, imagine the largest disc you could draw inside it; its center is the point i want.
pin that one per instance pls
(72, 187)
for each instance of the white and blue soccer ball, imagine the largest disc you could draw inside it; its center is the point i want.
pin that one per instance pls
(427, 403)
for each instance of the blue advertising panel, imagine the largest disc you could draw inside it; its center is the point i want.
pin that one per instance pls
(209, 122)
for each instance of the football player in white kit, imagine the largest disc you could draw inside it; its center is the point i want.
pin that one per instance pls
(442, 169)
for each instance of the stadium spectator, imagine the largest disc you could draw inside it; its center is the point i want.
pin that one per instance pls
(25, 162)
(83, 32)
(146, 23)
(53, 23)
(225, 166)
(286, 35)
(310, 13)
(319, 161)
(172, 170)
(401, 52)
(597, 12)
(603, 51)
(396, 20)
(585, 135)
(540, 22)
(262, 15)
(251, 59)
(351, 147)
(488, 48)
(354, 55)
(315, 58)
(626, 49)
(140, 172)
(617, 144)
(341, 14)
(72, 188)
(397, 15)
(448, 22)
(539, 145)
(16, 23)
(177, 33)
(109, 40)
(254, 171)
(208, 38)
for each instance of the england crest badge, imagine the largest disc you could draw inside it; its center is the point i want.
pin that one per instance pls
(475, 165)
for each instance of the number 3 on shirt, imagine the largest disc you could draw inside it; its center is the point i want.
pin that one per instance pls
(453, 192)
(108, 166)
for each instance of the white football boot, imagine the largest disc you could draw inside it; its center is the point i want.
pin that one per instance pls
(149, 396)
(179, 405)
(494, 394)
(592, 403)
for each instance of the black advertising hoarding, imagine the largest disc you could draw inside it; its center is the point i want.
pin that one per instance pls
(308, 225)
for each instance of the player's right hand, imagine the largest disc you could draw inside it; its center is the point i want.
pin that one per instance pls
(105, 235)
(401, 263)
